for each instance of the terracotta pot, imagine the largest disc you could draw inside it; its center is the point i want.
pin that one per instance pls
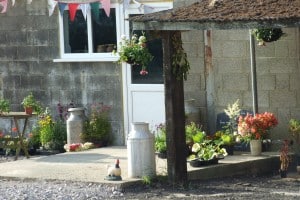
(28, 110)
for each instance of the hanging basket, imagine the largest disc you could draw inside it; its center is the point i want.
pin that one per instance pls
(267, 35)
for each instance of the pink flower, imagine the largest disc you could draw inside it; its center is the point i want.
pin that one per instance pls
(143, 72)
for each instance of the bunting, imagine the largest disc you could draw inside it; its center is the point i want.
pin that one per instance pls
(51, 6)
(72, 10)
(84, 5)
(3, 6)
(106, 6)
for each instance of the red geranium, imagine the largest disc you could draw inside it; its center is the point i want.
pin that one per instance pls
(257, 126)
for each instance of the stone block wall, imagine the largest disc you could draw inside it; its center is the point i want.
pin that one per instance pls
(28, 44)
(278, 75)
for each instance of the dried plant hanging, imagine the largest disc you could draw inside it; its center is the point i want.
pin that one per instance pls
(267, 35)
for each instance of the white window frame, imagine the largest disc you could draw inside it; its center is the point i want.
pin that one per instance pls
(89, 57)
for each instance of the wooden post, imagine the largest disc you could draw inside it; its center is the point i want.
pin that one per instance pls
(175, 115)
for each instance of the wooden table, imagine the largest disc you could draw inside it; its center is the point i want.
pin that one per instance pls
(17, 116)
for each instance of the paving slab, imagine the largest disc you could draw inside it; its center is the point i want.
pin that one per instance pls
(91, 166)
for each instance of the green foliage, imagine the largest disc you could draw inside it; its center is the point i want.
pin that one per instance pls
(34, 137)
(4, 105)
(180, 63)
(53, 134)
(134, 51)
(97, 129)
(267, 35)
(207, 150)
(160, 139)
(294, 126)
(30, 101)
(194, 133)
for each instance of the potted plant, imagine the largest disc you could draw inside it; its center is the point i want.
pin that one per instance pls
(284, 159)
(30, 104)
(205, 153)
(4, 106)
(193, 134)
(294, 129)
(226, 140)
(255, 128)
(135, 52)
(160, 141)
(97, 128)
(267, 35)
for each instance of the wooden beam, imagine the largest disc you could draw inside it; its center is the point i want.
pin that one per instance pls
(175, 115)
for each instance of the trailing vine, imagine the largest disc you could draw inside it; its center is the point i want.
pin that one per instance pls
(180, 64)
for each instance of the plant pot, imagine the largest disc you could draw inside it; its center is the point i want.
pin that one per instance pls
(162, 155)
(28, 110)
(255, 147)
(283, 173)
(200, 163)
(229, 149)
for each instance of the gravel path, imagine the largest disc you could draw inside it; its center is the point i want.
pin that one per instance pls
(267, 187)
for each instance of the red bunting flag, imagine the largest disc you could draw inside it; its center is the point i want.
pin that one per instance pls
(72, 10)
(3, 6)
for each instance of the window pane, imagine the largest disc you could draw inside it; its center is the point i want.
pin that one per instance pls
(104, 31)
(155, 67)
(75, 33)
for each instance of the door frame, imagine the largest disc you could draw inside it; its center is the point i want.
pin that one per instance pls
(126, 68)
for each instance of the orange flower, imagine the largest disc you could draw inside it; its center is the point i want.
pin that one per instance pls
(30, 135)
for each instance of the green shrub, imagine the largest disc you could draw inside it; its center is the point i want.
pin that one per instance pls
(97, 129)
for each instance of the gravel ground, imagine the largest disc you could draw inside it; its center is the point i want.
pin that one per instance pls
(267, 187)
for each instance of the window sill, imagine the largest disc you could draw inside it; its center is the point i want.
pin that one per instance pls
(102, 59)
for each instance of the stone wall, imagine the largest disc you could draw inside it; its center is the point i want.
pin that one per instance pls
(28, 45)
(278, 75)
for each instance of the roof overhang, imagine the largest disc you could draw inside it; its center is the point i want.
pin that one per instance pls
(223, 14)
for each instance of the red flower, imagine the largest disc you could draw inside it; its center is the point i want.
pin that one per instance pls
(256, 127)
(14, 129)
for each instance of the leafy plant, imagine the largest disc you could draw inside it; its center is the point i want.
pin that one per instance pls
(53, 134)
(194, 133)
(135, 52)
(4, 106)
(207, 150)
(30, 102)
(160, 140)
(97, 129)
(267, 35)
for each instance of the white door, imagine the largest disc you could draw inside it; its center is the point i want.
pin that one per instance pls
(144, 95)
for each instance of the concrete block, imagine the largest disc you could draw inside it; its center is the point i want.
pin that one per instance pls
(263, 99)
(265, 51)
(282, 49)
(282, 98)
(223, 98)
(231, 65)
(281, 81)
(235, 82)
(283, 65)
(234, 49)
(266, 82)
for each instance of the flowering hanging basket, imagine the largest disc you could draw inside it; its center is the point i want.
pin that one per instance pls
(267, 35)
(135, 52)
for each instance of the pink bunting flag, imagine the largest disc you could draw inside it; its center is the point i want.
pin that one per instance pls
(3, 6)
(72, 10)
(106, 6)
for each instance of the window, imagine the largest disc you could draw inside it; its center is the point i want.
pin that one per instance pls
(90, 39)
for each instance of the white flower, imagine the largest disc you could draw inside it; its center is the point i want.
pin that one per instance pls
(142, 39)
(123, 37)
